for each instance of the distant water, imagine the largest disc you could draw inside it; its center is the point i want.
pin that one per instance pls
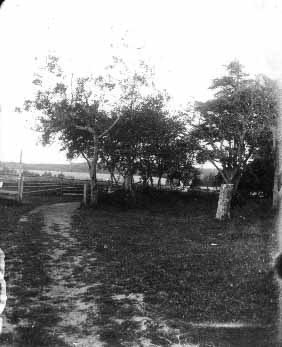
(73, 174)
(85, 175)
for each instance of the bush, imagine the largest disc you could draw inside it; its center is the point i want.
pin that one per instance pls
(258, 178)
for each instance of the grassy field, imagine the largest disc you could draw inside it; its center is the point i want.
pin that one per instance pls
(171, 258)
(10, 212)
(187, 266)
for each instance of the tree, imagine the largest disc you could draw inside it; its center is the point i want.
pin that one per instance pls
(129, 149)
(150, 142)
(81, 112)
(181, 160)
(77, 122)
(162, 140)
(258, 177)
(232, 125)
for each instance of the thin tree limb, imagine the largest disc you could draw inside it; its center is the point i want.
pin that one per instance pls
(219, 170)
(88, 129)
(87, 160)
(109, 128)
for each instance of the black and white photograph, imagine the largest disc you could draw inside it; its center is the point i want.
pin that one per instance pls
(141, 173)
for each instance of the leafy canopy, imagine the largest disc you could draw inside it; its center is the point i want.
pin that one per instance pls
(235, 122)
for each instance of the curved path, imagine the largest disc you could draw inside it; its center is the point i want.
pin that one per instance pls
(55, 297)
(46, 305)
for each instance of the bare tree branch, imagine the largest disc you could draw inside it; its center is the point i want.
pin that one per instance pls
(88, 129)
(109, 128)
(219, 170)
(85, 157)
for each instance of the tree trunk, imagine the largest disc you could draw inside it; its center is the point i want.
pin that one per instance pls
(128, 183)
(224, 202)
(159, 182)
(129, 190)
(93, 177)
(236, 182)
(277, 142)
(144, 182)
(275, 190)
(93, 188)
(113, 178)
(276, 178)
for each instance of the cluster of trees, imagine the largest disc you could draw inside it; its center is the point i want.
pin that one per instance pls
(119, 120)
(147, 141)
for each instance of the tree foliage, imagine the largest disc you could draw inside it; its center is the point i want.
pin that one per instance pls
(80, 112)
(150, 142)
(117, 120)
(233, 125)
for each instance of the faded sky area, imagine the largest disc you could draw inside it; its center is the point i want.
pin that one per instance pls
(187, 42)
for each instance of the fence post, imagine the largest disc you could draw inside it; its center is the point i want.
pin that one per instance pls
(20, 188)
(85, 194)
(62, 188)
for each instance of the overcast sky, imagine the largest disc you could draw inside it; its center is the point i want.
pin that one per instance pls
(187, 41)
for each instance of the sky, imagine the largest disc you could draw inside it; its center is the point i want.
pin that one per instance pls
(187, 41)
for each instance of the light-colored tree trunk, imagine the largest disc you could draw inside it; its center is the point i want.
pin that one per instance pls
(224, 202)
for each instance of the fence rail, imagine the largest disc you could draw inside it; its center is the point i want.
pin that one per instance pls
(15, 187)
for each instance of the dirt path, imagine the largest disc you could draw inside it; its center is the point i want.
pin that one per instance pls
(46, 297)
(55, 298)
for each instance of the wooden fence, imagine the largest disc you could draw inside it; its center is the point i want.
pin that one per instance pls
(14, 187)
(10, 187)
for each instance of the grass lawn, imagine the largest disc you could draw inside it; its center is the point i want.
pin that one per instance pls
(154, 269)
(10, 212)
(187, 266)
